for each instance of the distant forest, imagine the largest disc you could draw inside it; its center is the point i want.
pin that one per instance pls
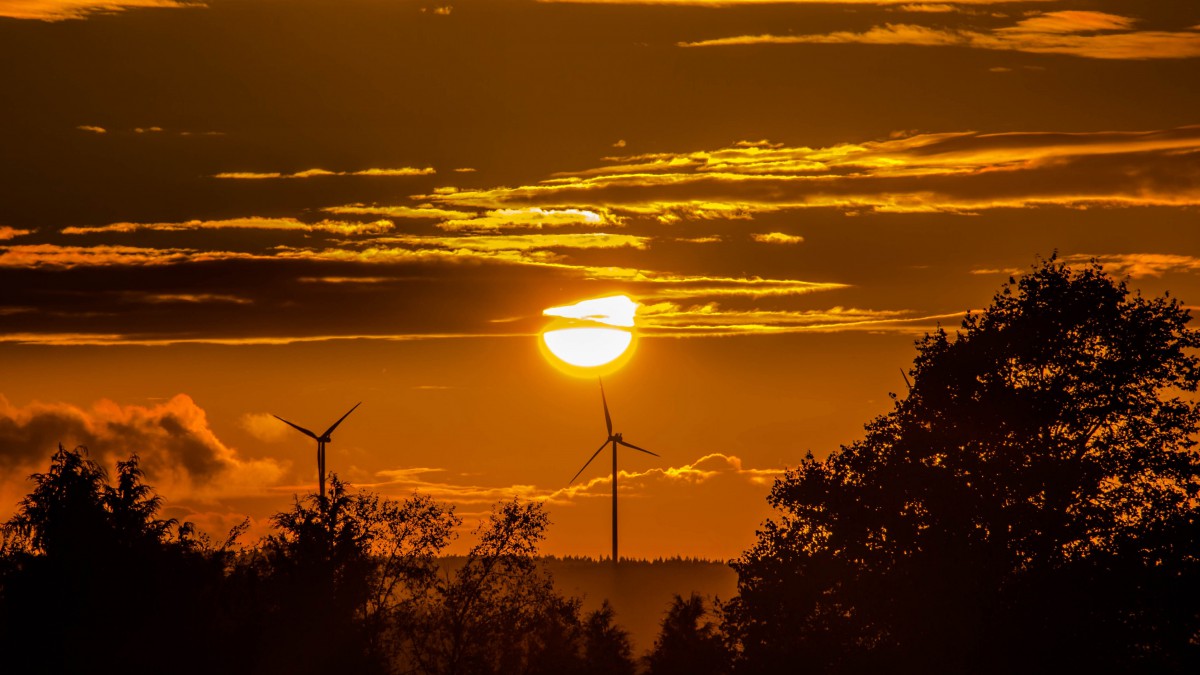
(1031, 504)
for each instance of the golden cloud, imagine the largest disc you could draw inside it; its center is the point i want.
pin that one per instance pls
(264, 426)
(530, 219)
(62, 10)
(248, 223)
(704, 469)
(1139, 265)
(1094, 35)
(316, 173)
(7, 233)
(52, 255)
(523, 242)
(181, 455)
(424, 211)
(113, 339)
(737, 3)
(187, 298)
(670, 319)
(930, 7)
(955, 172)
(777, 238)
(86, 127)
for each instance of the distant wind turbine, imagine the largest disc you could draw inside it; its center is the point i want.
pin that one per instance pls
(321, 441)
(615, 439)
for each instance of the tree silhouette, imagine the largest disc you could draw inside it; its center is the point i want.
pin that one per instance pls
(1030, 505)
(607, 650)
(93, 579)
(688, 644)
(339, 571)
(474, 620)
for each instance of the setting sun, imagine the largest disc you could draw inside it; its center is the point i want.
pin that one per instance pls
(592, 337)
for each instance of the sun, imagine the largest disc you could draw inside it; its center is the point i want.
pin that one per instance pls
(592, 337)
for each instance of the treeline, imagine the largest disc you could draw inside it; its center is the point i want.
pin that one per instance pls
(92, 580)
(1031, 505)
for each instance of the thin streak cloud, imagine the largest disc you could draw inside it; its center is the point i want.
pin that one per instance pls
(62, 10)
(7, 233)
(1093, 35)
(1141, 265)
(948, 172)
(321, 173)
(248, 223)
(740, 3)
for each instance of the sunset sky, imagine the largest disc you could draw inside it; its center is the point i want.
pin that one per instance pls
(211, 212)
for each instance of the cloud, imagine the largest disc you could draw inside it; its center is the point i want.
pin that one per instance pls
(530, 219)
(670, 319)
(264, 427)
(777, 238)
(114, 339)
(1140, 265)
(1006, 271)
(930, 7)
(954, 172)
(7, 233)
(317, 173)
(1071, 21)
(86, 127)
(55, 256)
(737, 3)
(424, 211)
(1094, 35)
(434, 482)
(184, 298)
(181, 455)
(523, 242)
(61, 10)
(248, 223)
(52, 255)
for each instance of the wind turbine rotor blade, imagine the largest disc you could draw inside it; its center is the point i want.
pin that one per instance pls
(634, 447)
(607, 418)
(602, 446)
(297, 427)
(335, 424)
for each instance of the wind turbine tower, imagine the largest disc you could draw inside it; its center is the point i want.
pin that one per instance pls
(615, 440)
(321, 441)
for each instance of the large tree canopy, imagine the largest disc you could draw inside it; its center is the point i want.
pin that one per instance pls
(1030, 505)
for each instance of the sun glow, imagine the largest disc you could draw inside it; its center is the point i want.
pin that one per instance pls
(592, 337)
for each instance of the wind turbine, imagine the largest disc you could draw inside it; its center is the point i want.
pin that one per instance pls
(615, 439)
(321, 441)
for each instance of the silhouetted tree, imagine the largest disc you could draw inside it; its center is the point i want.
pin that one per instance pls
(688, 643)
(1031, 505)
(339, 572)
(498, 612)
(606, 645)
(94, 580)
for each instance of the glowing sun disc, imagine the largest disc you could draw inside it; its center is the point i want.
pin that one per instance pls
(587, 347)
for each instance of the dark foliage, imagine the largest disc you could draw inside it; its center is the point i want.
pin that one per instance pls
(1030, 506)
(327, 585)
(499, 612)
(689, 644)
(93, 580)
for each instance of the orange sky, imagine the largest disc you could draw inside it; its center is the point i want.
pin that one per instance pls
(211, 212)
